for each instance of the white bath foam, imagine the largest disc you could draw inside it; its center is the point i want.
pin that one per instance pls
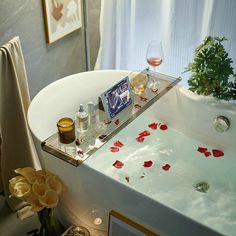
(175, 187)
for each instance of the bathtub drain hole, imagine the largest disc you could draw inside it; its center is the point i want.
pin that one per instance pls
(202, 186)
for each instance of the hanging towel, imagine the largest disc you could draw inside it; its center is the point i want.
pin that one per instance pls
(17, 147)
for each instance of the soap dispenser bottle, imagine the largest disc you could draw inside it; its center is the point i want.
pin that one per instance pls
(82, 119)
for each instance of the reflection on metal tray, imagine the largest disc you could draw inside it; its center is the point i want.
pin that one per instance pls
(91, 141)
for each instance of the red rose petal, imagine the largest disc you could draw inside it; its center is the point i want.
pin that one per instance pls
(117, 121)
(118, 164)
(142, 98)
(114, 149)
(140, 139)
(137, 106)
(80, 153)
(202, 149)
(147, 164)
(217, 153)
(163, 127)
(153, 126)
(207, 154)
(144, 133)
(77, 142)
(166, 167)
(127, 179)
(154, 90)
(118, 143)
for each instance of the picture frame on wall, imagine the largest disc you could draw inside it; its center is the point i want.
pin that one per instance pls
(61, 17)
(120, 225)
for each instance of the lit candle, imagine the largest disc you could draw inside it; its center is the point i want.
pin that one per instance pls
(97, 221)
(66, 130)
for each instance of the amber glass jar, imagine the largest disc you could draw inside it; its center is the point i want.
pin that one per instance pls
(66, 130)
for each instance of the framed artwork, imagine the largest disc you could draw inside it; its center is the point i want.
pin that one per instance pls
(120, 225)
(116, 98)
(61, 17)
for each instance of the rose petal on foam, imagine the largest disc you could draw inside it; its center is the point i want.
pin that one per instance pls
(144, 133)
(163, 127)
(217, 153)
(166, 167)
(114, 149)
(118, 143)
(207, 154)
(153, 125)
(147, 164)
(118, 164)
(50, 199)
(140, 139)
(202, 149)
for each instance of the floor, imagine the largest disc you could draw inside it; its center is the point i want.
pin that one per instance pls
(10, 225)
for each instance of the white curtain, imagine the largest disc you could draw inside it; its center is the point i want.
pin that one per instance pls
(126, 27)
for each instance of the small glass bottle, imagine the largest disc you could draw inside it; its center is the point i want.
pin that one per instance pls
(92, 119)
(82, 119)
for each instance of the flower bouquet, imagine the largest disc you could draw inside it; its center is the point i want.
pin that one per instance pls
(41, 190)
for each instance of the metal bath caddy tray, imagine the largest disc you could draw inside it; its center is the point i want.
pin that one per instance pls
(76, 153)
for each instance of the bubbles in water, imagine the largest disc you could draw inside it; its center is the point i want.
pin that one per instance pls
(202, 186)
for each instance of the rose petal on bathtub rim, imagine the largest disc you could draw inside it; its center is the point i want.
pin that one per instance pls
(117, 121)
(142, 98)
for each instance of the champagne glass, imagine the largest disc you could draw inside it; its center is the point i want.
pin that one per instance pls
(154, 58)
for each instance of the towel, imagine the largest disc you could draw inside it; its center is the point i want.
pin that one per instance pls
(17, 147)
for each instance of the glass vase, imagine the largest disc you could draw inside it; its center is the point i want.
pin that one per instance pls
(47, 227)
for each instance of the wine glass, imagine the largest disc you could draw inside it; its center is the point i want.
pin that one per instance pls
(138, 82)
(154, 58)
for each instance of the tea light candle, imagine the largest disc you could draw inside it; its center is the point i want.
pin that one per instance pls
(66, 130)
(97, 221)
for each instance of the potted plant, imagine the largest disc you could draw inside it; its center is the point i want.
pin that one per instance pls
(212, 73)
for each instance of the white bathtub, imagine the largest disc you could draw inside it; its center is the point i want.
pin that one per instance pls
(163, 201)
